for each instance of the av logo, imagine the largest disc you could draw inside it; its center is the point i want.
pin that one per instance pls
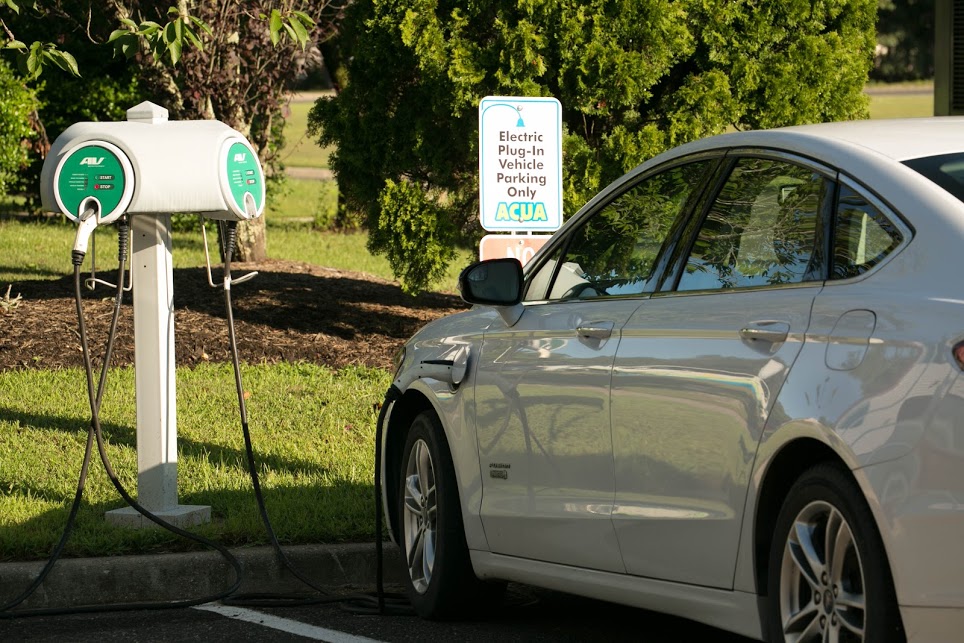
(240, 157)
(93, 161)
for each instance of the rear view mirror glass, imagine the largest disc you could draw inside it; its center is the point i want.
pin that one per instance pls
(496, 282)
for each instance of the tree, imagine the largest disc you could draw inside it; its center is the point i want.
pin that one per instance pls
(223, 59)
(233, 63)
(635, 77)
(108, 87)
(905, 40)
(17, 104)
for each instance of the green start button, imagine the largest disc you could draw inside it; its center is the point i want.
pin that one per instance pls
(94, 170)
(243, 180)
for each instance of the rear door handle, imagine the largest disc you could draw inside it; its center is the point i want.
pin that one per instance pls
(766, 331)
(596, 329)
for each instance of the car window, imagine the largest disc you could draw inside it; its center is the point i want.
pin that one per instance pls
(761, 230)
(946, 170)
(863, 236)
(614, 252)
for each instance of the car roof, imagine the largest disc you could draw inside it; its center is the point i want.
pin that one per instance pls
(897, 139)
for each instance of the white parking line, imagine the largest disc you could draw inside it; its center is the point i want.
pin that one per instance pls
(284, 624)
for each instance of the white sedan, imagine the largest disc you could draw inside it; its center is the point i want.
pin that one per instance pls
(729, 388)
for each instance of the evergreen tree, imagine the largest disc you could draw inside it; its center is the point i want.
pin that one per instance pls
(635, 77)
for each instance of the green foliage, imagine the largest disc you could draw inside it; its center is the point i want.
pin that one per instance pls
(32, 58)
(635, 77)
(17, 102)
(296, 25)
(169, 39)
(109, 86)
(416, 232)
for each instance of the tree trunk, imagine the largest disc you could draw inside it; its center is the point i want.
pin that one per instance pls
(252, 244)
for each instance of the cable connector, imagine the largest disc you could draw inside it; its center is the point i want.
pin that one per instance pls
(88, 222)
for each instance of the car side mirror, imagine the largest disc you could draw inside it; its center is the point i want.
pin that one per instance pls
(495, 282)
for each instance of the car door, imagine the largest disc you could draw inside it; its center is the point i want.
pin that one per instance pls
(700, 364)
(542, 385)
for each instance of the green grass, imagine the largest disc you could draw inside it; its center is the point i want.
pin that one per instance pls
(301, 150)
(910, 105)
(41, 250)
(312, 430)
(347, 252)
(303, 200)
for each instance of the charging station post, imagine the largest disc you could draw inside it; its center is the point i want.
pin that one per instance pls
(150, 167)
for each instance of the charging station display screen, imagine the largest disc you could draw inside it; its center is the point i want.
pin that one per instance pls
(92, 171)
(244, 176)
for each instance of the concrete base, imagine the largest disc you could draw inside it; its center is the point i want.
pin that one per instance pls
(180, 516)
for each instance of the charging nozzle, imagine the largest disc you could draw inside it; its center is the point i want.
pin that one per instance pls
(88, 220)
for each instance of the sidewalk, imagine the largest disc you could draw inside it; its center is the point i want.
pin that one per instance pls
(168, 577)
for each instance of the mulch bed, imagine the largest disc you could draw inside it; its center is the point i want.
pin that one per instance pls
(290, 312)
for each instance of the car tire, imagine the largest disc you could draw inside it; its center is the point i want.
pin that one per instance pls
(829, 579)
(437, 574)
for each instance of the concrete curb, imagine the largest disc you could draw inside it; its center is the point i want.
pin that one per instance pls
(167, 577)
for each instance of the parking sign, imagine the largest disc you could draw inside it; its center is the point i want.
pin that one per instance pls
(520, 164)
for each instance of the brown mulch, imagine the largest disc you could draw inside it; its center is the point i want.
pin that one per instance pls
(290, 312)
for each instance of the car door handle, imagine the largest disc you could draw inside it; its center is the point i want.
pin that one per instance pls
(766, 331)
(596, 329)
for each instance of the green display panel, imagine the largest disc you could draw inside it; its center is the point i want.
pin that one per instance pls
(244, 176)
(93, 171)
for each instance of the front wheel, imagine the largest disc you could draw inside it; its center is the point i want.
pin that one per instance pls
(438, 574)
(829, 577)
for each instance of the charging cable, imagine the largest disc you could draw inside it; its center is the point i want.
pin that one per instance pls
(357, 603)
(88, 222)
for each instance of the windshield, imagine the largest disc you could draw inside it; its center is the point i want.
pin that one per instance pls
(946, 170)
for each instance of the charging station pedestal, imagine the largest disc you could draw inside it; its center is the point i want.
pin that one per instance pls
(150, 167)
(152, 276)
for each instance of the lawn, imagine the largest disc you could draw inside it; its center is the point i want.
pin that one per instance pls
(312, 431)
(300, 149)
(902, 105)
(41, 250)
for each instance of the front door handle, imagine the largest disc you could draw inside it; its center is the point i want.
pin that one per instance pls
(596, 329)
(766, 331)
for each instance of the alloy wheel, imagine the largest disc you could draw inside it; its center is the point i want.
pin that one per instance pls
(420, 519)
(822, 595)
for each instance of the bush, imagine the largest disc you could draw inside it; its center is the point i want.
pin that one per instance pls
(634, 77)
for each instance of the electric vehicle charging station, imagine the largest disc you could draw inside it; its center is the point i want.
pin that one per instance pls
(150, 168)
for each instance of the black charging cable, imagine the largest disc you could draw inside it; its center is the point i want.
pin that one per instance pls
(381, 603)
(356, 603)
(78, 256)
(94, 433)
